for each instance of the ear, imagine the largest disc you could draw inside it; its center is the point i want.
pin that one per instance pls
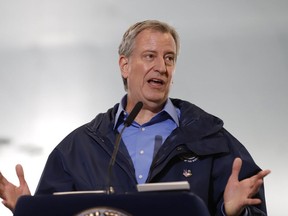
(123, 64)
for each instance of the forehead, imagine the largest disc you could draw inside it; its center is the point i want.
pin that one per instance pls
(155, 39)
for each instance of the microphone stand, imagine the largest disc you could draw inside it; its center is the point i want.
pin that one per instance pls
(136, 109)
(110, 189)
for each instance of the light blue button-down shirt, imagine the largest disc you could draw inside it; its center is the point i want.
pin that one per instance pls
(143, 141)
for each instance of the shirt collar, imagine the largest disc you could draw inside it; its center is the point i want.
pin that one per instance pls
(168, 108)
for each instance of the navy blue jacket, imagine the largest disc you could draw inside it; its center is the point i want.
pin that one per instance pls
(199, 146)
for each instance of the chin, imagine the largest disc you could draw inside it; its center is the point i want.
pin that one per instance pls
(157, 101)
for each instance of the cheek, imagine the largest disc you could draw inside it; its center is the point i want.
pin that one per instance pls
(139, 72)
(171, 74)
(137, 79)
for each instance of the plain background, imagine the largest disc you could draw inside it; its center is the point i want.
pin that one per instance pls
(59, 68)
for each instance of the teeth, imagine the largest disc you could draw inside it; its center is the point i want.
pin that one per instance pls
(156, 80)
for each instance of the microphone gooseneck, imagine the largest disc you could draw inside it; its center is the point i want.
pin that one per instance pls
(133, 114)
(127, 123)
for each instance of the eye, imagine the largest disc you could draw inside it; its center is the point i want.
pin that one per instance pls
(170, 59)
(149, 56)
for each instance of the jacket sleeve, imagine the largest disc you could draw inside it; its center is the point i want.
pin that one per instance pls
(248, 211)
(55, 177)
(222, 169)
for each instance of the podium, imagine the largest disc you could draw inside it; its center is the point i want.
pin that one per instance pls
(132, 204)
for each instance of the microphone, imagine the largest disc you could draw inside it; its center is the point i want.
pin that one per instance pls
(136, 109)
(133, 114)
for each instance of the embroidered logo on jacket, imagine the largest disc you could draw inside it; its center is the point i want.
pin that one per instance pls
(187, 173)
(189, 158)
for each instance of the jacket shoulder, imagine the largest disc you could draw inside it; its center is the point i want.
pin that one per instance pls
(101, 124)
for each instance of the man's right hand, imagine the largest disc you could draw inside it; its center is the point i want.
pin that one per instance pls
(9, 192)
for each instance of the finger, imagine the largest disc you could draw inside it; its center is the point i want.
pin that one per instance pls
(263, 174)
(255, 187)
(260, 175)
(253, 201)
(3, 180)
(237, 164)
(5, 203)
(20, 174)
(3, 183)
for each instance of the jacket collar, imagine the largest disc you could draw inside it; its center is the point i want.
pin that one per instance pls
(198, 130)
(169, 108)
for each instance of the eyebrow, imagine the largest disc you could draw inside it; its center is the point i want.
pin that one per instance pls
(154, 51)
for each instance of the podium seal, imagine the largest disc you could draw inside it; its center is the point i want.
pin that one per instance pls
(103, 211)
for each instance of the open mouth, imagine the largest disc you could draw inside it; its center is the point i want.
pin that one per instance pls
(156, 81)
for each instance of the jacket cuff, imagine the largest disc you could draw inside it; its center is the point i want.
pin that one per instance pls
(244, 213)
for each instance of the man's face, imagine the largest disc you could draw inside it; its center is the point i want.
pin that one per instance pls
(149, 69)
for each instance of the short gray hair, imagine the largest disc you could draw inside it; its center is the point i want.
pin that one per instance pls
(127, 44)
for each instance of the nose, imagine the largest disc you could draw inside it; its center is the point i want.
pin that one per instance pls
(160, 66)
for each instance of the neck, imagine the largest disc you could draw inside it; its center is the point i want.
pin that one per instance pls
(144, 116)
(146, 113)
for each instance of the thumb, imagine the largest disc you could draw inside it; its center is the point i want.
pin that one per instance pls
(20, 174)
(237, 164)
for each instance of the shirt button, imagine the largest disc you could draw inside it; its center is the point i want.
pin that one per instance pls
(140, 176)
(141, 152)
(142, 129)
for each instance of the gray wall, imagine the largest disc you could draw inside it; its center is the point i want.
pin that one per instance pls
(58, 69)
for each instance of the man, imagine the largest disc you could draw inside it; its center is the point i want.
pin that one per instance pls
(170, 139)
